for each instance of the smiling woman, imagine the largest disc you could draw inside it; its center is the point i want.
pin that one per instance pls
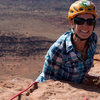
(71, 56)
(84, 24)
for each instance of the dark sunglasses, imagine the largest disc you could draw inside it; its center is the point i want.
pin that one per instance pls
(81, 21)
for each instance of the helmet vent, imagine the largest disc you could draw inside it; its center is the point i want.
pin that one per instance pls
(81, 9)
(71, 11)
(89, 9)
(75, 8)
(93, 8)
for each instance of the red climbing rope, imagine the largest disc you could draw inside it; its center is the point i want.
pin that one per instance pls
(85, 98)
(23, 90)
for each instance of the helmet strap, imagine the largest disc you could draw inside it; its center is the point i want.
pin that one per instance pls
(77, 37)
(80, 38)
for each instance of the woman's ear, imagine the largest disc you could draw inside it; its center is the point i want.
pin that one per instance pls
(72, 24)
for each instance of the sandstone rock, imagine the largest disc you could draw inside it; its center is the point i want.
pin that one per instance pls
(53, 90)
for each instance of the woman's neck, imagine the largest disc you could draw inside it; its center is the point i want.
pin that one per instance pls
(79, 44)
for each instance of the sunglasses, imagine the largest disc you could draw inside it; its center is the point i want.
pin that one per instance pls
(81, 21)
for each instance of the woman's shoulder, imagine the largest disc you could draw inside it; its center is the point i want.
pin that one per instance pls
(59, 45)
(64, 36)
(93, 37)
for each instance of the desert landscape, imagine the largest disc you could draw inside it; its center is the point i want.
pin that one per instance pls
(27, 29)
(26, 33)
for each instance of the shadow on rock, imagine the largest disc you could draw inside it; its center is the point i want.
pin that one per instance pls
(23, 46)
(85, 86)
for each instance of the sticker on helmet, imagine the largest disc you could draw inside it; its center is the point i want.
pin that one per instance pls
(85, 3)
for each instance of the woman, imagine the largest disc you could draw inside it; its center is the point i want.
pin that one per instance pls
(71, 56)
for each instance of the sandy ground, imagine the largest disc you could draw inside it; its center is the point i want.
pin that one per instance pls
(53, 90)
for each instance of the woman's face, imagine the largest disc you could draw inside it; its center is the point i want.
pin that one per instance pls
(84, 30)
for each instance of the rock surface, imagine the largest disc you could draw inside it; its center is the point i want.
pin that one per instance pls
(53, 90)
